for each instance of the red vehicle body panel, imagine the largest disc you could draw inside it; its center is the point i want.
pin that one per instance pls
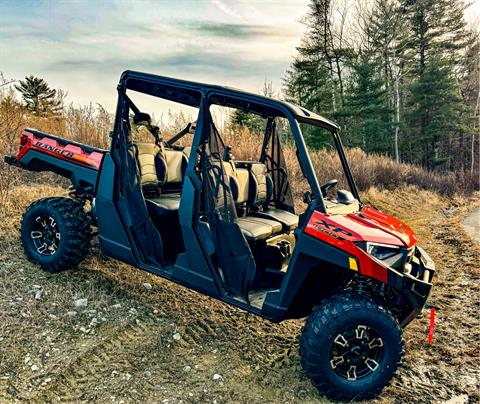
(368, 225)
(69, 152)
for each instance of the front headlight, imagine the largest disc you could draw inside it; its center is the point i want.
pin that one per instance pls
(382, 251)
(390, 255)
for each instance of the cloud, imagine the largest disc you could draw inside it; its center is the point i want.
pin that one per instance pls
(240, 31)
(227, 9)
(84, 46)
(192, 61)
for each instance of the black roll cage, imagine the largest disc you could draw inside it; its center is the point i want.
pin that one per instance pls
(192, 93)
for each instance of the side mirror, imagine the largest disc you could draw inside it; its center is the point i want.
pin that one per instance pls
(142, 118)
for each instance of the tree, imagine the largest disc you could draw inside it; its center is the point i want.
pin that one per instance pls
(437, 40)
(315, 79)
(435, 113)
(386, 34)
(253, 122)
(39, 98)
(366, 106)
(471, 96)
(5, 82)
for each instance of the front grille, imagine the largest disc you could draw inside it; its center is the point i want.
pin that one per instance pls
(414, 265)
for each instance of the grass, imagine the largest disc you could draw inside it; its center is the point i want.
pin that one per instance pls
(91, 125)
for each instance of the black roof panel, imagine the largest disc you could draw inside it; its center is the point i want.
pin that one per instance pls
(190, 99)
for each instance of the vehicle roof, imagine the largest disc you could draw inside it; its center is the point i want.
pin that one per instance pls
(300, 113)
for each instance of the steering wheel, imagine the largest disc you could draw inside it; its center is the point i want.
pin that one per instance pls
(325, 188)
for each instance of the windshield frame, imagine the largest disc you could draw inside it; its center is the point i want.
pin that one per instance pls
(334, 131)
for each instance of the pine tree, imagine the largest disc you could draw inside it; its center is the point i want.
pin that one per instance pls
(468, 149)
(436, 113)
(39, 98)
(436, 42)
(366, 107)
(386, 33)
(315, 78)
(253, 122)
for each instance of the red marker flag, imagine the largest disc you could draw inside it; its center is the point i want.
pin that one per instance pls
(432, 325)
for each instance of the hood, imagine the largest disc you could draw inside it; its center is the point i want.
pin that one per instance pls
(369, 224)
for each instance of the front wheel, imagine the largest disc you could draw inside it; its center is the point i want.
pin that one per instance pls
(351, 347)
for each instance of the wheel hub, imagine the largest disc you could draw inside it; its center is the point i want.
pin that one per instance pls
(45, 235)
(356, 353)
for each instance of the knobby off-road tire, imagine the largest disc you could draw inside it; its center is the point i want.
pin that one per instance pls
(56, 233)
(338, 335)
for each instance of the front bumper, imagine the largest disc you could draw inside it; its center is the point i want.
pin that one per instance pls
(415, 281)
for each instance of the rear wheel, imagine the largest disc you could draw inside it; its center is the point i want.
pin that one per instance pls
(56, 233)
(351, 347)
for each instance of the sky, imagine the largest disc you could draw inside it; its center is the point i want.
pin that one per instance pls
(83, 46)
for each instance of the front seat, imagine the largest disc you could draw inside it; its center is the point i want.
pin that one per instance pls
(260, 192)
(253, 228)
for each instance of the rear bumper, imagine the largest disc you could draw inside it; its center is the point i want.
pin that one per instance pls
(12, 160)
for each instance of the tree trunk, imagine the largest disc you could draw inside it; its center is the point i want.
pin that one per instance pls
(477, 109)
(396, 72)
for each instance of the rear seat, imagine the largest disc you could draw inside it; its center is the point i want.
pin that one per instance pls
(250, 184)
(160, 172)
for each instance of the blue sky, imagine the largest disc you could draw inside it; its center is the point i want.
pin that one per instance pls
(83, 46)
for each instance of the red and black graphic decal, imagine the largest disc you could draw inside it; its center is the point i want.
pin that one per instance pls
(331, 229)
(53, 149)
(60, 148)
(67, 154)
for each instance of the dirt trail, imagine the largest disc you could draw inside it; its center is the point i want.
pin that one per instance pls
(472, 225)
(132, 343)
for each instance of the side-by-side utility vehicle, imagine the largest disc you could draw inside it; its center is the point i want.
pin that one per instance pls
(190, 212)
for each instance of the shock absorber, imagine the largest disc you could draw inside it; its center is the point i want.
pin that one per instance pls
(360, 285)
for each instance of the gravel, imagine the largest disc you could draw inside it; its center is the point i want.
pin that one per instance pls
(81, 302)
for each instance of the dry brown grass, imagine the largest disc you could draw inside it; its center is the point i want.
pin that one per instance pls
(91, 125)
(368, 169)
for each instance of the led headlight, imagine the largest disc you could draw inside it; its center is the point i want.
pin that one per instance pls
(382, 251)
(391, 255)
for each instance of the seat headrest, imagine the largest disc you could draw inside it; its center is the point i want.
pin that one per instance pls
(242, 178)
(177, 163)
(149, 155)
(260, 185)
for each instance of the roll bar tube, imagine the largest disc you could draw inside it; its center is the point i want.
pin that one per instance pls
(306, 163)
(345, 165)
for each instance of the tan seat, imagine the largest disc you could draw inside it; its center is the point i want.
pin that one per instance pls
(161, 170)
(176, 162)
(288, 220)
(253, 228)
(147, 154)
(260, 193)
(256, 228)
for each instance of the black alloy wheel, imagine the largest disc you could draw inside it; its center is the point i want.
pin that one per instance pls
(45, 235)
(56, 233)
(356, 352)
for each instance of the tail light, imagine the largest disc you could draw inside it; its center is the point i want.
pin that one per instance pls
(23, 141)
